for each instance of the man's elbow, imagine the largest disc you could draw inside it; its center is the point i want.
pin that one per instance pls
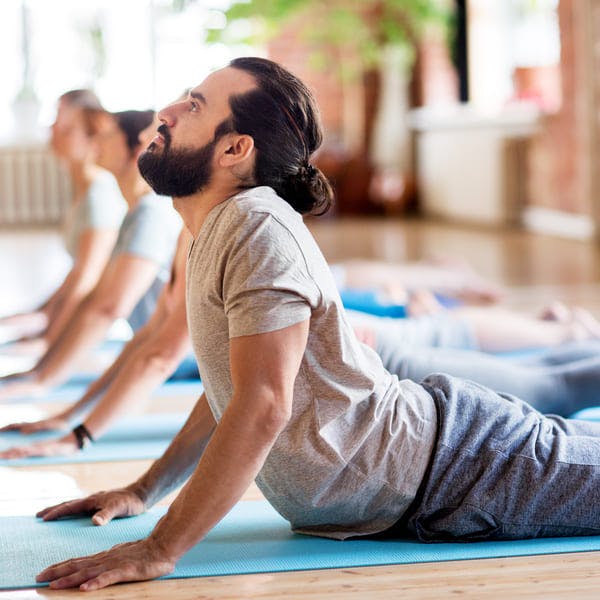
(274, 414)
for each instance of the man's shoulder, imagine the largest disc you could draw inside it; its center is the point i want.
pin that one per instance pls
(258, 204)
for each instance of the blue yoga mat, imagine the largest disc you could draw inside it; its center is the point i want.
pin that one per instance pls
(371, 302)
(132, 438)
(374, 302)
(588, 414)
(252, 538)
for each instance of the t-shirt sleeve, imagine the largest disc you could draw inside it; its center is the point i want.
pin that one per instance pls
(152, 235)
(104, 206)
(266, 284)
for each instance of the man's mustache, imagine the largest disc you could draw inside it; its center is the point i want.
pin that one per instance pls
(166, 134)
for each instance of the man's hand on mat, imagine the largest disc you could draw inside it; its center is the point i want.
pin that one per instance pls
(50, 424)
(132, 561)
(61, 447)
(103, 506)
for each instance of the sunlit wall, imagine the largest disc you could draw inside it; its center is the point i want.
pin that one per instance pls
(134, 53)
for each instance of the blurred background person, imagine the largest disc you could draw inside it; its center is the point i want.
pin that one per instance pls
(90, 225)
(136, 272)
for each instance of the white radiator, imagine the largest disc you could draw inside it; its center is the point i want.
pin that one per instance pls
(34, 190)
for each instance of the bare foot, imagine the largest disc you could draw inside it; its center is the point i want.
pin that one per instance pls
(585, 325)
(470, 286)
(580, 323)
(557, 311)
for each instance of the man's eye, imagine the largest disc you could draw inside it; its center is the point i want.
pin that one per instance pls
(194, 107)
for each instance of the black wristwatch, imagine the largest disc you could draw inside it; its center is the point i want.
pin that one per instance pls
(84, 437)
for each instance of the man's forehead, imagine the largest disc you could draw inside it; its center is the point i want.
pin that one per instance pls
(220, 85)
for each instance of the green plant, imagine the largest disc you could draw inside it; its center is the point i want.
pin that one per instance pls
(364, 28)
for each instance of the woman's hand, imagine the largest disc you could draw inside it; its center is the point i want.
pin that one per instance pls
(21, 385)
(61, 447)
(56, 423)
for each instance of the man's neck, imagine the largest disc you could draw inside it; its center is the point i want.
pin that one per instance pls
(195, 208)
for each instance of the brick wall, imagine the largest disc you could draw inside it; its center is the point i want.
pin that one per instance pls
(348, 105)
(559, 157)
(343, 102)
(319, 69)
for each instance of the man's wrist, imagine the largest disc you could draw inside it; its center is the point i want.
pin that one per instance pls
(167, 546)
(142, 491)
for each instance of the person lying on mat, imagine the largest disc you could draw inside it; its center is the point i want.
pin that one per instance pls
(138, 268)
(560, 381)
(90, 226)
(450, 278)
(404, 345)
(339, 446)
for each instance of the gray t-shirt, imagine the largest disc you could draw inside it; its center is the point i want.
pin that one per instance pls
(103, 207)
(356, 448)
(149, 231)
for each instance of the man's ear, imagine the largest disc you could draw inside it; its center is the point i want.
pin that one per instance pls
(237, 149)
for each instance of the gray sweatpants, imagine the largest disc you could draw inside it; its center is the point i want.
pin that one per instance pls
(502, 470)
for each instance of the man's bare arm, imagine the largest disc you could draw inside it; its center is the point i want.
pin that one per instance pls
(165, 475)
(263, 368)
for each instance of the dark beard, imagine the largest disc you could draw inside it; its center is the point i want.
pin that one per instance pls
(177, 173)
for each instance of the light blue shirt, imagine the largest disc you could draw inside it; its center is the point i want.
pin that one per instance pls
(150, 231)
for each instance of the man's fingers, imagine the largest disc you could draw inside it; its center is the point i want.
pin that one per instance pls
(107, 578)
(71, 507)
(70, 566)
(131, 561)
(61, 569)
(75, 578)
(104, 506)
(104, 516)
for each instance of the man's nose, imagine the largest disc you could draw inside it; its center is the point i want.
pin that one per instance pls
(168, 115)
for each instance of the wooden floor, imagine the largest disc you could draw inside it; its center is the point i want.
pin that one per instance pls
(534, 269)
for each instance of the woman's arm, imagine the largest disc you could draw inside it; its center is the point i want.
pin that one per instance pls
(93, 253)
(47, 320)
(123, 283)
(132, 378)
